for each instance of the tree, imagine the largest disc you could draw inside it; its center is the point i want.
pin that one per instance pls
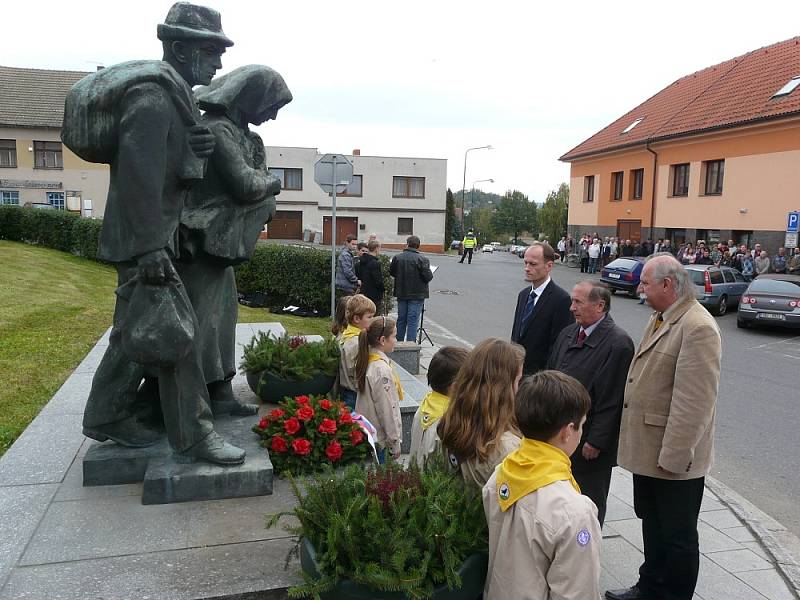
(514, 214)
(553, 215)
(451, 225)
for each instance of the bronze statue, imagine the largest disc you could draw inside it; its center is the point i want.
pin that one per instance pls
(140, 117)
(224, 216)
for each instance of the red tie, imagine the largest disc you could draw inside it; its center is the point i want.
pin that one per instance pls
(581, 337)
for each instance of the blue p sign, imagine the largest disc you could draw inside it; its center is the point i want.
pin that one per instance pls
(793, 222)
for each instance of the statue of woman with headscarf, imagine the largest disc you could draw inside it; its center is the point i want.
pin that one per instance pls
(225, 214)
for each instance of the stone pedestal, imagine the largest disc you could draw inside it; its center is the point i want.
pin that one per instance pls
(406, 354)
(166, 481)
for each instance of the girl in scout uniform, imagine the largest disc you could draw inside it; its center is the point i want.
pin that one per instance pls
(379, 389)
(478, 429)
(544, 536)
(359, 311)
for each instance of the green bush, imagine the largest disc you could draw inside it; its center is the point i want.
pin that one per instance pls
(55, 229)
(298, 275)
(291, 358)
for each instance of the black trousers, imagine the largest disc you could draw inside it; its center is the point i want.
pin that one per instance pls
(464, 255)
(669, 510)
(595, 481)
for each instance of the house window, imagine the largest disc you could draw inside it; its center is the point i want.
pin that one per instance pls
(47, 155)
(637, 179)
(405, 226)
(408, 187)
(8, 153)
(632, 125)
(588, 188)
(680, 179)
(291, 179)
(788, 88)
(56, 200)
(616, 182)
(9, 197)
(715, 171)
(354, 189)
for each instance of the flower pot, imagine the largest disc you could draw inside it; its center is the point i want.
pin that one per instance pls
(472, 573)
(271, 388)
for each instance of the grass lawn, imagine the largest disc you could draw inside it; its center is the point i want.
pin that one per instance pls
(53, 309)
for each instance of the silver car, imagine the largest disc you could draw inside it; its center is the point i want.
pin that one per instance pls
(717, 288)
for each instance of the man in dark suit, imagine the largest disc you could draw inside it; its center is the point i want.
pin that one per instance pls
(542, 309)
(596, 352)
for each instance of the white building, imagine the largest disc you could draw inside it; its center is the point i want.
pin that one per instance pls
(390, 197)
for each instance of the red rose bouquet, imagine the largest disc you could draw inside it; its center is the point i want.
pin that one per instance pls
(308, 432)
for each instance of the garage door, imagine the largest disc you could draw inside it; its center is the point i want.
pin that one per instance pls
(286, 225)
(344, 226)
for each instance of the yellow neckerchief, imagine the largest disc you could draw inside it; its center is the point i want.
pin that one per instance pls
(374, 357)
(350, 332)
(432, 408)
(532, 466)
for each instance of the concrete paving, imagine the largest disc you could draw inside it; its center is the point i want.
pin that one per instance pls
(62, 541)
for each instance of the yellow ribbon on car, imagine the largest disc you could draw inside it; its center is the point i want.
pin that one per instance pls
(374, 357)
(532, 466)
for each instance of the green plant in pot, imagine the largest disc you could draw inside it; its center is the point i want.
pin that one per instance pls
(284, 366)
(387, 533)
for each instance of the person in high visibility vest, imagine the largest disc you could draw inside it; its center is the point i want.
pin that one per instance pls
(468, 244)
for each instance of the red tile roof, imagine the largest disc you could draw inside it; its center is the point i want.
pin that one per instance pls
(732, 93)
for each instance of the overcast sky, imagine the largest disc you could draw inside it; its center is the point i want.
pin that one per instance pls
(431, 78)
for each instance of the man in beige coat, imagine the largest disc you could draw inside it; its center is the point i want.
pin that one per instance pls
(667, 431)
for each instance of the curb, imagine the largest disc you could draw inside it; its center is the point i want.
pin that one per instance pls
(773, 536)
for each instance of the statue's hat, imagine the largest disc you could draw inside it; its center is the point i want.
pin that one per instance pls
(186, 21)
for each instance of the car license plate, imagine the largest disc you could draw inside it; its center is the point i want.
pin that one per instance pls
(773, 316)
(614, 275)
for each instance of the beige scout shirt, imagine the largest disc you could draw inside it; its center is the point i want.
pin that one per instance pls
(474, 472)
(424, 442)
(545, 547)
(380, 404)
(348, 351)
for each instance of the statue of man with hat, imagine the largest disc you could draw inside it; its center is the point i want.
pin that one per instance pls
(140, 117)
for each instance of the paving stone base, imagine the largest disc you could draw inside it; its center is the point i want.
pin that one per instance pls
(166, 481)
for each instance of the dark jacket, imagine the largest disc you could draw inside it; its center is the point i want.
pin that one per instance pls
(346, 279)
(601, 365)
(411, 272)
(549, 317)
(371, 277)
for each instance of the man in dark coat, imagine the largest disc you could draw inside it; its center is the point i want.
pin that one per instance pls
(542, 308)
(159, 152)
(372, 276)
(412, 272)
(596, 352)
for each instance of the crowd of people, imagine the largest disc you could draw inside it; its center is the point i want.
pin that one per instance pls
(538, 422)
(594, 252)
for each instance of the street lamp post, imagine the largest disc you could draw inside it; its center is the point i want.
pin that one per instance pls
(472, 198)
(464, 182)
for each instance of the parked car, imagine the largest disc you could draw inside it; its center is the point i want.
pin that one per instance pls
(487, 248)
(623, 274)
(497, 246)
(455, 245)
(717, 288)
(521, 250)
(772, 299)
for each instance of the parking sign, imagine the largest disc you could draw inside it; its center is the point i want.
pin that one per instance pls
(793, 222)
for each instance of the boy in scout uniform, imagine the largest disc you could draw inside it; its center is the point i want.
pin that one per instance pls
(544, 536)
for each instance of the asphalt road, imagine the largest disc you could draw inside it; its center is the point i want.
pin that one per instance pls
(757, 448)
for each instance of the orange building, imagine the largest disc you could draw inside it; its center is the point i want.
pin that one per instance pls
(713, 156)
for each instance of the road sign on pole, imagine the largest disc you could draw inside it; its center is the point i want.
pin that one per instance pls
(333, 173)
(793, 222)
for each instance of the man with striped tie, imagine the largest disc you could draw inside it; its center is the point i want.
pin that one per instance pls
(542, 308)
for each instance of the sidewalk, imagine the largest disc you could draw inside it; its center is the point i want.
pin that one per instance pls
(739, 559)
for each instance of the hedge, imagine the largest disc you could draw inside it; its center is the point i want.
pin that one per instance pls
(299, 275)
(56, 229)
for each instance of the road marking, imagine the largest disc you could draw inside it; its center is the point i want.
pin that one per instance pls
(446, 333)
(791, 339)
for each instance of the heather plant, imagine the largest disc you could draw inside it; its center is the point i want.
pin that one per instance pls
(291, 358)
(387, 529)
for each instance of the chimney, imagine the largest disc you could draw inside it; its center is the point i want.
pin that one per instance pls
(356, 152)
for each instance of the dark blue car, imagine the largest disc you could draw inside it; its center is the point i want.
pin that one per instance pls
(623, 274)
